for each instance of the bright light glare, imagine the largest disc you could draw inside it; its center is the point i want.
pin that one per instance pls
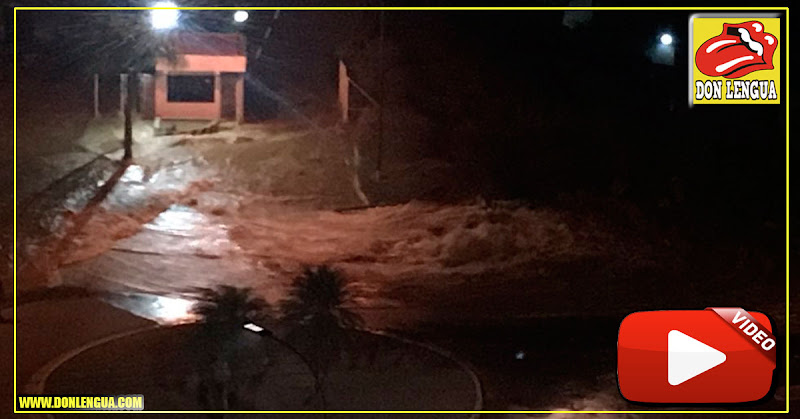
(240, 16)
(172, 309)
(254, 327)
(666, 39)
(133, 173)
(164, 18)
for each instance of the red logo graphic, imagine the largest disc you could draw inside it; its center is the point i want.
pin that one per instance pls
(740, 49)
(717, 355)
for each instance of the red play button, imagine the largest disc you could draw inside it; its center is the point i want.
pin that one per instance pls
(718, 355)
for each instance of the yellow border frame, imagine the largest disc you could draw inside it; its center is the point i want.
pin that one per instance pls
(786, 89)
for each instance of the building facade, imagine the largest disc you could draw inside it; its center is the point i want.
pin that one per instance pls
(203, 78)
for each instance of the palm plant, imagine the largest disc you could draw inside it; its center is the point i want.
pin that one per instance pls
(222, 312)
(228, 308)
(316, 310)
(320, 292)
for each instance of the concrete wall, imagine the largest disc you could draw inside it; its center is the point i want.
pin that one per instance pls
(240, 98)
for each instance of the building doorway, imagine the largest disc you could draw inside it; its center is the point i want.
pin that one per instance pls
(228, 103)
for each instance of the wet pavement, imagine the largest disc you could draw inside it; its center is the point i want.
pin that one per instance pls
(86, 212)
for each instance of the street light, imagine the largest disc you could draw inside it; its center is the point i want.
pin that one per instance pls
(663, 51)
(240, 16)
(164, 16)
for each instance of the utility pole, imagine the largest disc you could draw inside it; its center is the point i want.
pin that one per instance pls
(130, 91)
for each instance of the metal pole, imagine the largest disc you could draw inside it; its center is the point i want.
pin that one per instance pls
(127, 142)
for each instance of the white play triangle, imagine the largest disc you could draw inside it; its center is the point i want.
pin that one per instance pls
(688, 357)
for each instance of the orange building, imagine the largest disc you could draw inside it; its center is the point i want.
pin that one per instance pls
(203, 79)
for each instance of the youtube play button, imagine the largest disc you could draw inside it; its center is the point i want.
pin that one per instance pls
(688, 357)
(718, 355)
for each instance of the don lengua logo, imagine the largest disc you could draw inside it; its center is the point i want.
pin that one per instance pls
(740, 49)
(734, 59)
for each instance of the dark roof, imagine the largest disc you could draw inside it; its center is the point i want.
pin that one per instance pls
(207, 43)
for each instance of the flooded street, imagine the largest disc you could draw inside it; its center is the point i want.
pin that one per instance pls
(518, 290)
(402, 258)
(209, 212)
(405, 263)
(197, 211)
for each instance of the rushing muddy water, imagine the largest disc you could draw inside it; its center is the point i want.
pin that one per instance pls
(411, 256)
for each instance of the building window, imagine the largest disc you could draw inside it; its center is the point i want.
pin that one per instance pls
(190, 88)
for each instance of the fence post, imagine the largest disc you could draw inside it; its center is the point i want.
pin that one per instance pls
(344, 92)
(127, 142)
